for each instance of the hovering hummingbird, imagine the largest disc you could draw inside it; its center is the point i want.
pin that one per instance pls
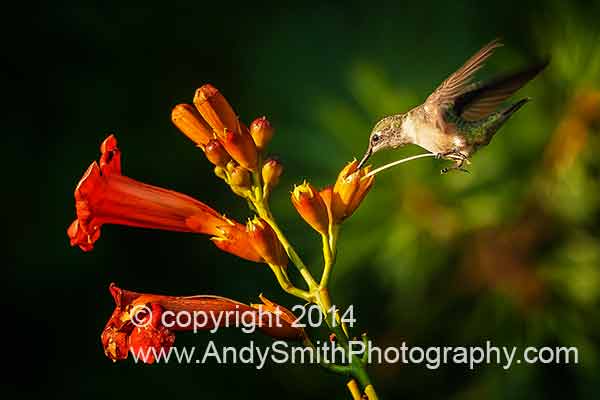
(459, 117)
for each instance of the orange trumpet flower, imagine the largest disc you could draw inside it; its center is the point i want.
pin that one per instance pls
(104, 196)
(144, 324)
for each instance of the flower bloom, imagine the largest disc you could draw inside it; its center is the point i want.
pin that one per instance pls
(104, 196)
(144, 324)
(349, 191)
(311, 207)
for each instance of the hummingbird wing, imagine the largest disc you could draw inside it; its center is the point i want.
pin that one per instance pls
(481, 99)
(458, 82)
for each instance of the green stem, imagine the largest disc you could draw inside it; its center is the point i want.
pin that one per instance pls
(335, 368)
(358, 366)
(286, 285)
(328, 261)
(317, 293)
(265, 213)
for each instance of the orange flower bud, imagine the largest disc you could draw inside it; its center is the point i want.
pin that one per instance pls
(240, 177)
(349, 191)
(266, 243)
(241, 148)
(216, 154)
(190, 123)
(262, 132)
(311, 207)
(215, 109)
(271, 171)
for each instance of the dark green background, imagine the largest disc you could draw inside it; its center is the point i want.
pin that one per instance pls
(324, 73)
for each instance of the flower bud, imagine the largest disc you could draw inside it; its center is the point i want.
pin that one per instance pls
(216, 154)
(190, 123)
(271, 171)
(240, 177)
(241, 148)
(215, 110)
(349, 191)
(266, 243)
(311, 207)
(262, 132)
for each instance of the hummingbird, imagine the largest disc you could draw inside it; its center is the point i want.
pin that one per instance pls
(459, 117)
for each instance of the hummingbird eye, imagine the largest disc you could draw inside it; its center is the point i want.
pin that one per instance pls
(375, 138)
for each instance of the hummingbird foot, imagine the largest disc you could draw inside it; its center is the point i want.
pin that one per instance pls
(458, 166)
(452, 155)
(444, 171)
(459, 158)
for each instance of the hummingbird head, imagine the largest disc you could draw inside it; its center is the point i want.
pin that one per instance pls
(387, 134)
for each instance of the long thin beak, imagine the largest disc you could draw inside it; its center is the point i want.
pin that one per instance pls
(365, 158)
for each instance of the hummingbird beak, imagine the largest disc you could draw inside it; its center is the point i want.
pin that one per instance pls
(365, 158)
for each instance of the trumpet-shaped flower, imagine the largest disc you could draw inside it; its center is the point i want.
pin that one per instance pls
(144, 324)
(104, 196)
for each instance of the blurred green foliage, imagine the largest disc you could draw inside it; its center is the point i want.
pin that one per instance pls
(509, 253)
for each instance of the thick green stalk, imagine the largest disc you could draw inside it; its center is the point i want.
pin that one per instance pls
(317, 292)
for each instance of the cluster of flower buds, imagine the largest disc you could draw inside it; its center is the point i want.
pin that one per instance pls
(232, 147)
(332, 205)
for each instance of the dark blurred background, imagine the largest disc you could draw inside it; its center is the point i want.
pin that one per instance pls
(509, 253)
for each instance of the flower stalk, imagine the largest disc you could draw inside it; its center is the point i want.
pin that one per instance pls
(105, 196)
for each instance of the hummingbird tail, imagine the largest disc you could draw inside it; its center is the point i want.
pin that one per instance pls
(496, 120)
(510, 110)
